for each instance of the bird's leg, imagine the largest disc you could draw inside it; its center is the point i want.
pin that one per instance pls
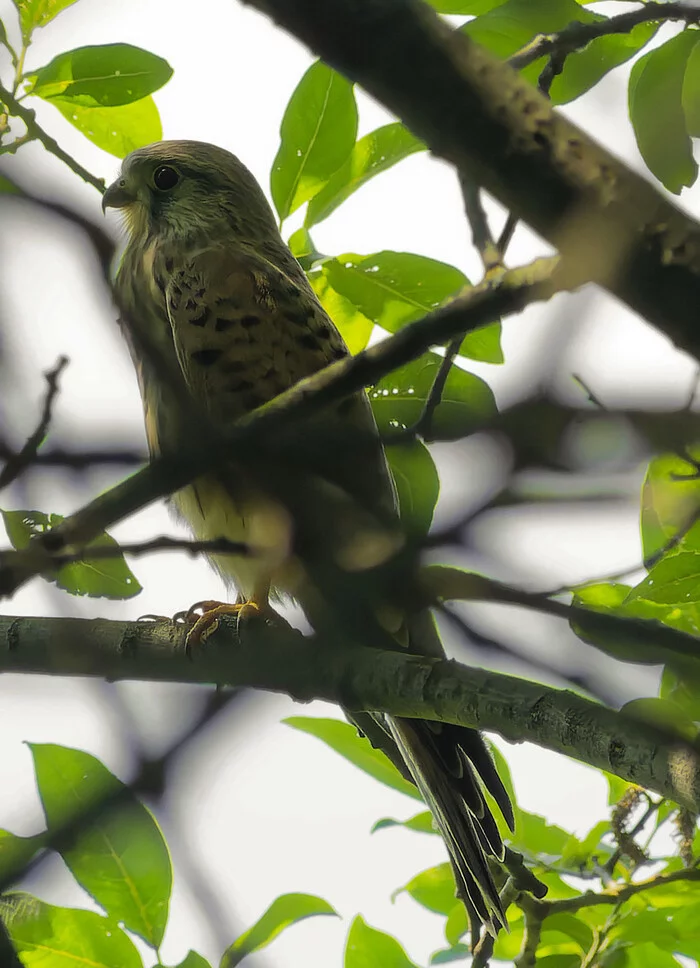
(204, 625)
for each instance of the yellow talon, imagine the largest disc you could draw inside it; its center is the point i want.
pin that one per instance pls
(207, 623)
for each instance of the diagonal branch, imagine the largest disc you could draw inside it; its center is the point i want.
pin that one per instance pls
(480, 115)
(277, 658)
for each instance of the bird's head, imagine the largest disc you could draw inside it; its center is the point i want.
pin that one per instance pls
(177, 188)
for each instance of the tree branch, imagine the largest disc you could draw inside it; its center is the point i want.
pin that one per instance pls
(480, 115)
(277, 658)
(577, 35)
(37, 133)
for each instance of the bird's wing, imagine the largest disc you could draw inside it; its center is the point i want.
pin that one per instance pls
(245, 330)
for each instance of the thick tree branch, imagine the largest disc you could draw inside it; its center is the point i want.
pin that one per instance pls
(279, 659)
(480, 115)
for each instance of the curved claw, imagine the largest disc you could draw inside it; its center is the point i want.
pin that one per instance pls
(206, 624)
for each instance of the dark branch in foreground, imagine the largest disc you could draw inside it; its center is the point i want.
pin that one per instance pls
(277, 658)
(481, 116)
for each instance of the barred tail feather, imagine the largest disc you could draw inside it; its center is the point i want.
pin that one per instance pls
(445, 762)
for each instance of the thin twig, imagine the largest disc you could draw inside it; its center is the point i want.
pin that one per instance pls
(216, 546)
(577, 35)
(77, 460)
(17, 463)
(28, 116)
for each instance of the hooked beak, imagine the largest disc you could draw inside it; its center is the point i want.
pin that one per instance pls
(117, 195)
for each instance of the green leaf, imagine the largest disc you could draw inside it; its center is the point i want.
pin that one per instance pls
(456, 925)
(398, 400)
(120, 858)
(38, 13)
(16, 852)
(368, 948)
(282, 913)
(58, 937)
(675, 580)
(117, 130)
(193, 960)
(101, 76)
(484, 344)
(656, 111)
(434, 889)
(97, 578)
(394, 288)
(376, 152)
(417, 484)
(647, 955)
(464, 6)
(668, 504)
(571, 927)
(584, 68)
(690, 96)
(616, 787)
(662, 713)
(421, 822)
(317, 134)
(458, 952)
(538, 839)
(345, 740)
(353, 325)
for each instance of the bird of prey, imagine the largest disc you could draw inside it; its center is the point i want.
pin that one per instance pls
(220, 318)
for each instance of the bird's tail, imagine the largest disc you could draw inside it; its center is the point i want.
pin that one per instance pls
(449, 765)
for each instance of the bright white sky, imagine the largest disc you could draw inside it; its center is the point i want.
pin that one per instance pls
(259, 808)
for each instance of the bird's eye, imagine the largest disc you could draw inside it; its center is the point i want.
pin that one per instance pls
(165, 178)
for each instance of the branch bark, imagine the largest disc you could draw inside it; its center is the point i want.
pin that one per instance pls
(277, 658)
(480, 115)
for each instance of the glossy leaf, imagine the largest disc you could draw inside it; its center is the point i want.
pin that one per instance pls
(38, 13)
(317, 134)
(282, 913)
(458, 952)
(368, 948)
(353, 325)
(120, 857)
(45, 935)
(398, 400)
(417, 484)
(656, 111)
(375, 153)
(117, 130)
(101, 76)
(675, 580)
(421, 822)
(670, 500)
(434, 889)
(484, 344)
(193, 960)
(394, 288)
(584, 68)
(99, 578)
(345, 740)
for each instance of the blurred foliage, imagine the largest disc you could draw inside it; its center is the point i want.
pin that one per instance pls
(617, 898)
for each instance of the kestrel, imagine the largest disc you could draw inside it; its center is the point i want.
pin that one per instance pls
(220, 318)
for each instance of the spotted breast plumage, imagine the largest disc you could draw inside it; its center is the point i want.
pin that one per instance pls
(219, 316)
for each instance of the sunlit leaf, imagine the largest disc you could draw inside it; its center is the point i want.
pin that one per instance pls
(446, 956)
(656, 111)
(101, 76)
(98, 578)
(417, 484)
(675, 580)
(399, 399)
(670, 500)
(375, 153)
(345, 740)
(317, 134)
(119, 856)
(421, 822)
(368, 948)
(434, 889)
(118, 130)
(484, 344)
(353, 325)
(284, 911)
(193, 960)
(38, 13)
(58, 937)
